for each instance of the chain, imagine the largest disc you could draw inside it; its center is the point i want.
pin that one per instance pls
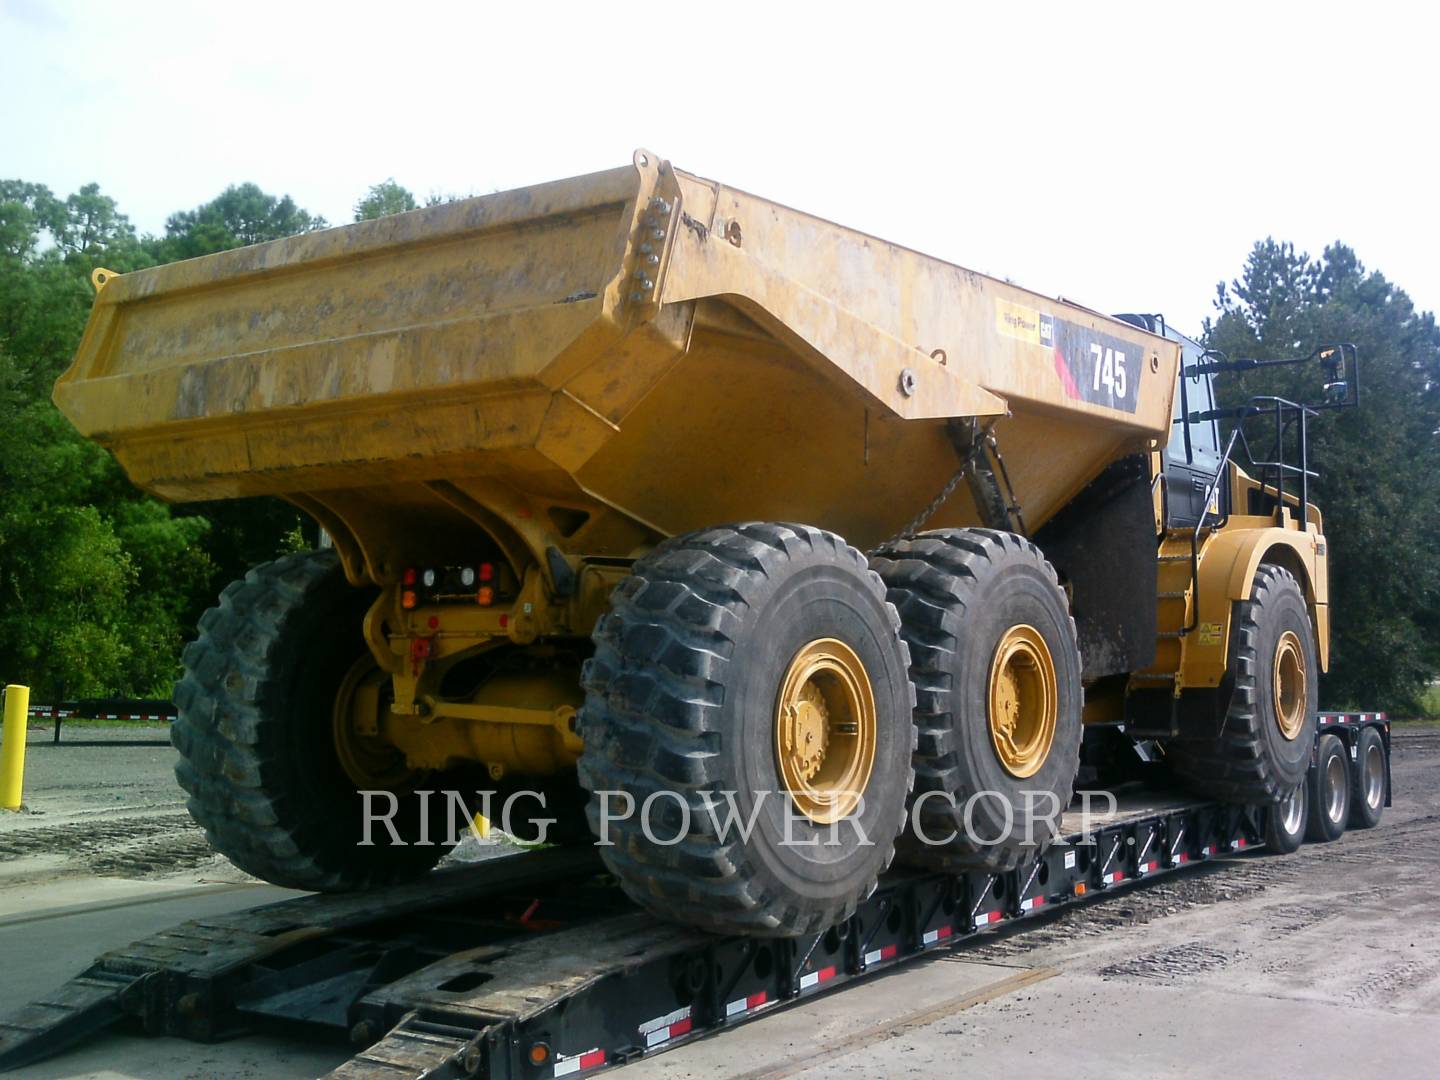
(976, 449)
(919, 519)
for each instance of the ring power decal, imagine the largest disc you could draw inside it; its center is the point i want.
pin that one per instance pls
(1092, 365)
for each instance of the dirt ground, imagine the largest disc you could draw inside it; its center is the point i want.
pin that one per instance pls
(1326, 962)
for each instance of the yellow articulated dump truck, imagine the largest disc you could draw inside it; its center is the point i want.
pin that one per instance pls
(644, 493)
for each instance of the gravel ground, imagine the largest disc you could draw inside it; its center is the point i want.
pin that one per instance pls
(103, 802)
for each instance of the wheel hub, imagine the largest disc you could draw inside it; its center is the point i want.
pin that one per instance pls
(1374, 776)
(369, 761)
(1293, 812)
(1289, 686)
(825, 730)
(1023, 701)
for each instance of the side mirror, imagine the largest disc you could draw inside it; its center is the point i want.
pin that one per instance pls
(1337, 363)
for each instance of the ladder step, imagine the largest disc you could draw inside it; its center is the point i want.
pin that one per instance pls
(1180, 595)
(1155, 677)
(1174, 558)
(1171, 634)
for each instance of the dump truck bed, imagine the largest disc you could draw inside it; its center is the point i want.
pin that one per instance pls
(641, 341)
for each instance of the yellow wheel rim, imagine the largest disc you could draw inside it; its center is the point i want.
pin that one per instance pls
(371, 763)
(825, 730)
(1288, 684)
(1024, 701)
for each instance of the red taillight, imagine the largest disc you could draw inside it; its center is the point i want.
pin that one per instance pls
(487, 571)
(485, 597)
(407, 599)
(409, 576)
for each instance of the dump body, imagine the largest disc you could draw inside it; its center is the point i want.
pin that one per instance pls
(595, 363)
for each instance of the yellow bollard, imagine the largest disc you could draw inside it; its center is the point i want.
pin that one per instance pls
(12, 750)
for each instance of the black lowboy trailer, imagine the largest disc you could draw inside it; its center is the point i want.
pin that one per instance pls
(535, 965)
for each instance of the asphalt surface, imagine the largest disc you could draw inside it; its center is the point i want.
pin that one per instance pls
(1324, 963)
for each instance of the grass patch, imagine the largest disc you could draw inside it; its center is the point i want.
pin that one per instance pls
(1430, 703)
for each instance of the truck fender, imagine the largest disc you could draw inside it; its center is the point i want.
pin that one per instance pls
(1228, 561)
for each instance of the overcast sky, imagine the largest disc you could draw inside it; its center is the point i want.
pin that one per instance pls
(1125, 156)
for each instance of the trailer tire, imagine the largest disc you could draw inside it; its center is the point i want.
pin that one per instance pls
(1261, 747)
(1329, 783)
(254, 728)
(1285, 821)
(962, 594)
(689, 696)
(1368, 780)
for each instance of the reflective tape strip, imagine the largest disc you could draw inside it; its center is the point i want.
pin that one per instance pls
(664, 1021)
(932, 936)
(1150, 866)
(1111, 879)
(1032, 903)
(987, 918)
(816, 977)
(745, 1004)
(579, 1063)
(663, 1028)
(885, 952)
(663, 1035)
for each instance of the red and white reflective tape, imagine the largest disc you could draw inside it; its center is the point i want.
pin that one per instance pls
(1236, 845)
(1032, 903)
(664, 1028)
(740, 1006)
(1182, 857)
(815, 978)
(983, 919)
(569, 1066)
(1150, 866)
(932, 936)
(1112, 878)
(885, 952)
(1209, 849)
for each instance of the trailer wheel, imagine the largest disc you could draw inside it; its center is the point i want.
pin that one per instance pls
(997, 675)
(1261, 749)
(1285, 821)
(266, 773)
(1329, 783)
(1367, 780)
(749, 698)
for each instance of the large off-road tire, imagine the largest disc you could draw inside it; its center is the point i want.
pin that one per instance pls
(1262, 747)
(255, 731)
(968, 599)
(719, 654)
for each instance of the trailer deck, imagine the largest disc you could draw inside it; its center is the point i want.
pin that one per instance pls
(536, 966)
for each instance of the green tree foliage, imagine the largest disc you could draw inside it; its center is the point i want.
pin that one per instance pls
(99, 584)
(386, 197)
(242, 214)
(1379, 465)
